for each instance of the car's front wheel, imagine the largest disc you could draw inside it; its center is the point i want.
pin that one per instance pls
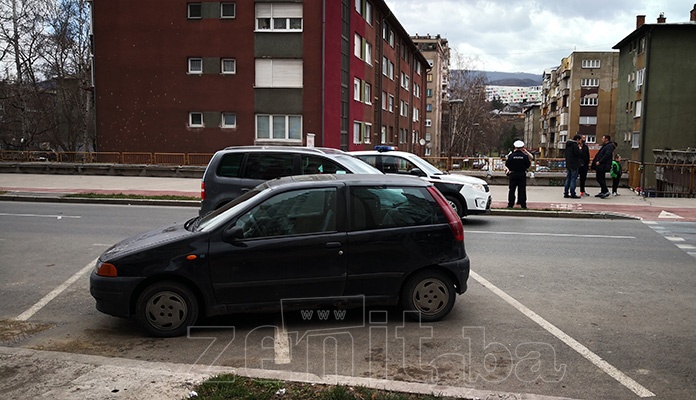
(456, 206)
(428, 296)
(166, 309)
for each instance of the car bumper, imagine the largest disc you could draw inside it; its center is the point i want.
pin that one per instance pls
(460, 270)
(113, 295)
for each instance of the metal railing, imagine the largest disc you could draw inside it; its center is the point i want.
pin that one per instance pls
(662, 179)
(124, 157)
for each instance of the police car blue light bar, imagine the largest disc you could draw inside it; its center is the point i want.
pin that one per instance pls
(386, 148)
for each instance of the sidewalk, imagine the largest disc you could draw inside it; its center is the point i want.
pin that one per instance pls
(542, 200)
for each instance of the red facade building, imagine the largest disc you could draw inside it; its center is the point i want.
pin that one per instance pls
(195, 77)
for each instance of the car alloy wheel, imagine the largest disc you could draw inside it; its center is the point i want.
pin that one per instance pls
(456, 205)
(430, 294)
(167, 309)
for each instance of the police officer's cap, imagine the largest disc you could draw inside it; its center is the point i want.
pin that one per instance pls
(518, 144)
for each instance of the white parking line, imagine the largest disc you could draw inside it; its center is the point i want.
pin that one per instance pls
(282, 346)
(622, 378)
(552, 234)
(40, 216)
(55, 292)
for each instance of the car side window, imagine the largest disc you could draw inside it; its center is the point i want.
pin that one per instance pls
(295, 212)
(230, 165)
(376, 208)
(396, 165)
(320, 165)
(267, 166)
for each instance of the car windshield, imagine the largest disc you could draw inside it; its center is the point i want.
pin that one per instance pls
(216, 217)
(356, 165)
(425, 166)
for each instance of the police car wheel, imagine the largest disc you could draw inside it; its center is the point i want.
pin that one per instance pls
(428, 296)
(456, 206)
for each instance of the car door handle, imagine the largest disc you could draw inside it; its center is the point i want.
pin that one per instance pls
(333, 245)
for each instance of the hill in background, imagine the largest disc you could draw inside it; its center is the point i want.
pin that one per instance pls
(512, 78)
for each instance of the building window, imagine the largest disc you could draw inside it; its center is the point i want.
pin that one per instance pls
(638, 110)
(429, 92)
(368, 12)
(405, 81)
(279, 127)
(357, 46)
(589, 82)
(419, 68)
(274, 73)
(589, 101)
(391, 104)
(430, 77)
(357, 132)
(384, 101)
(196, 119)
(416, 90)
(428, 122)
(640, 76)
(368, 132)
(591, 139)
(358, 6)
(195, 11)
(368, 53)
(590, 63)
(356, 89)
(367, 93)
(403, 136)
(195, 65)
(383, 134)
(588, 120)
(428, 107)
(228, 66)
(388, 34)
(635, 140)
(229, 120)
(228, 10)
(416, 114)
(403, 111)
(279, 17)
(387, 68)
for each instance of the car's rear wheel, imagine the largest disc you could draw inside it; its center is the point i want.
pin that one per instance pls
(456, 206)
(166, 309)
(428, 296)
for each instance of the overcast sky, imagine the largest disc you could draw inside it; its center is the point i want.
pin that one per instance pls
(530, 36)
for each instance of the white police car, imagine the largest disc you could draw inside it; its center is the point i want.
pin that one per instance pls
(466, 194)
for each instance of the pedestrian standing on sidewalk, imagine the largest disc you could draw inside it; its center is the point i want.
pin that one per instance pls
(601, 163)
(584, 165)
(573, 157)
(517, 164)
(615, 174)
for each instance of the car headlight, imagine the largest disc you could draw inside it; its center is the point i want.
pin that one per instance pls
(479, 187)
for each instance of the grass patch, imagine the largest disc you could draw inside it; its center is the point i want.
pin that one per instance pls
(228, 386)
(130, 196)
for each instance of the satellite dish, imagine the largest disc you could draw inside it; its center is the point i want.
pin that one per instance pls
(422, 142)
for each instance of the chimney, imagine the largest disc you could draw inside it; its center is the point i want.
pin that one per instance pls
(640, 20)
(693, 14)
(661, 19)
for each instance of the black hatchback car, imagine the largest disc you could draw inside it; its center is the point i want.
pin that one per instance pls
(302, 240)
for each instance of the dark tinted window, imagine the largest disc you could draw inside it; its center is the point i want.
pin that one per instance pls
(268, 166)
(292, 213)
(231, 165)
(320, 165)
(195, 10)
(374, 208)
(396, 165)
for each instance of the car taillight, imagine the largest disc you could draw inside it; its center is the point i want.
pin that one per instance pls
(202, 190)
(453, 219)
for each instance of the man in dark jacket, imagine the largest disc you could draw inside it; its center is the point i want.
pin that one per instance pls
(517, 164)
(584, 164)
(572, 160)
(602, 164)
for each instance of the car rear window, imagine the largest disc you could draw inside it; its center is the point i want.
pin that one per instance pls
(388, 207)
(230, 165)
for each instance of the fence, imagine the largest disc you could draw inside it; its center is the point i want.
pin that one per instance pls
(662, 179)
(197, 159)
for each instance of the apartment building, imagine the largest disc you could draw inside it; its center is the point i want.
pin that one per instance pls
(657, 88)
(578, 97)
(532, 127)
(436, 50)
(201, 76)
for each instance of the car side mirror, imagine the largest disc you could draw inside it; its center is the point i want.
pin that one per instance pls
(232, 234)
(417, 172)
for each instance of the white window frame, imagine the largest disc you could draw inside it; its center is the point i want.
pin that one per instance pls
(368, 12)
(356, 89)
(358, 6)
(226, 71)
(403, 109)
(416, 114)
(191, 66)
(589, 82)
(196, 116)
(367, 93)
(223, 120)
(635, 140)
(278, 73)
(638, 109)
(405, 81)
(280, 119)
(367, 132)
(384, 101)
(591, 64)
(357, 46)
(383, 134)
(589, 101)
(390, 103)
(222, 10)
(188, 11)
(587, 120)
(368, 53)
(277, 12)
(357, 132)
(428, 122)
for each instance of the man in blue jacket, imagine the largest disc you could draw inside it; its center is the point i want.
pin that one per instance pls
(601, 163)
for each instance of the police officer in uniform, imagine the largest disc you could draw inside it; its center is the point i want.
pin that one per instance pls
(517, 164)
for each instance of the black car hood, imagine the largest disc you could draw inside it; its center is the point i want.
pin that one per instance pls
(145, 241)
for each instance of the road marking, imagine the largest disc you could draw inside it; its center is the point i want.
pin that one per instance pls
(665, 214)
(553, 234)
(674, 238)
(686, 246)
(612, 371)
(55, 292)
(40, 216)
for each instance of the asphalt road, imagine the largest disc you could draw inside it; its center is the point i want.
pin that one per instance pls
(573, 308)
